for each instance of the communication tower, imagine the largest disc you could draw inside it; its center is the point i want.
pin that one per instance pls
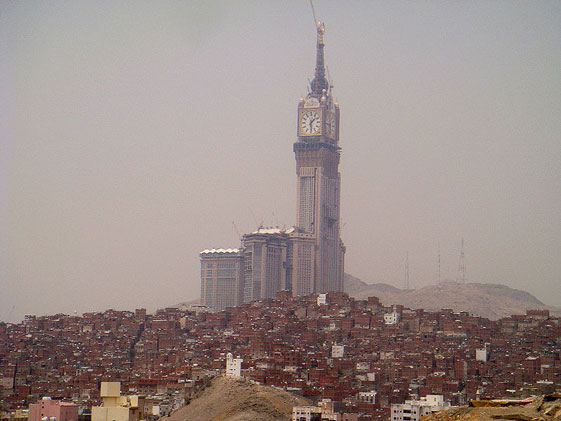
(462, 277)
(406, 278)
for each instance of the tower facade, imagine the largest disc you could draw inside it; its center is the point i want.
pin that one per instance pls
(309, 257)
(265, 268)
(221, 278)
(318, 252)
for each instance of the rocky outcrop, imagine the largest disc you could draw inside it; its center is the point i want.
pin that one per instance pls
(239, 399)
(540, 408)
(492, 301)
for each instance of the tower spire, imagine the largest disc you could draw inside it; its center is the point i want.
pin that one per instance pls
(319, 82)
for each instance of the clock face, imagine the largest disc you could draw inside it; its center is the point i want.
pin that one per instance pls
(310, 122)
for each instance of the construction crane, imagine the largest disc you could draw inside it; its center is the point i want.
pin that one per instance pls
(237, 230)
(316, 22)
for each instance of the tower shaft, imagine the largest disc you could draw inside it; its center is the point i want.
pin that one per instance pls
(318, 253)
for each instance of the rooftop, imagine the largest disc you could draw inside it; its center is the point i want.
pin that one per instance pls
(220, 251)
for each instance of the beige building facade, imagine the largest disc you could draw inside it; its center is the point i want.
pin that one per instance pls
(318, 209)
(115, 407)
(221, 278)
(265, 264)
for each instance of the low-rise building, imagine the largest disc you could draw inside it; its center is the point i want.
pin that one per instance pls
(233, 366)
(367, 397)
(392, 318)
(413, 410)
(482, 354)
(116, 407)
(60, 411)
(338, 351)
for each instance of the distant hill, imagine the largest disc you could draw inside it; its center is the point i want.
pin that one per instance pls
(487, 300)
(185, 305)
(232, 399)
(493, 301)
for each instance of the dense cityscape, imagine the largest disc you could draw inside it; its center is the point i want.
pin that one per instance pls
(318, 346)
(274, 313)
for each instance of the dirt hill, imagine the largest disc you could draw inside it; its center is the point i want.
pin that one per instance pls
(487, 300)
(238, 400)
(542, 408)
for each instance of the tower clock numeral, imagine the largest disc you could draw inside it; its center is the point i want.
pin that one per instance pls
(310, 122)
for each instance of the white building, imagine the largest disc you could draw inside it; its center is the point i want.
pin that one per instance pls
(368, 397)
(413, 410)
(482, 354)
(322, 299)
(326, 410)
(363, 366)
(337, 351)
(233, 366)
(392, 318)
(305, 413)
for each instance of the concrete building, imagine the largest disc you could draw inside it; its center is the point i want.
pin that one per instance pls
(392, 318)
(337, 351)
(221, 278)
(326, 410)
(306, 413)
(482, 354)
(115, 407)
(302, 262)
(233, 366)
(367, 397)
(322, 299)
(265, 268)
(413, 410)
(54, 410)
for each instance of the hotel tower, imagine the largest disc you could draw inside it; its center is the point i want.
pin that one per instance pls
(309, 257)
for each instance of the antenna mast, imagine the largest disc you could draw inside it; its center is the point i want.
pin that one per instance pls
(406, 280)
(462, 265)
(314, 13)
(237, 230)
(438, 277)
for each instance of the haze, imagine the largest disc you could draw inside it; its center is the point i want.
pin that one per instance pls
(133, 134)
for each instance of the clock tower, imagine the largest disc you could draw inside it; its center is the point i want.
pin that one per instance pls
(317, 252)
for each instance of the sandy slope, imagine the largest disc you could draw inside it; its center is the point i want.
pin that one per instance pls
(239, 400)
(542, 408)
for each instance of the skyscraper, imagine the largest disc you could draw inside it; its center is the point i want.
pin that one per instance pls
(221, 278)
(309, 257)
(265, 263)
(319, 187)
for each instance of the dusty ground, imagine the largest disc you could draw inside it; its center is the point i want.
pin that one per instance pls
(238, 400)
(539, 410)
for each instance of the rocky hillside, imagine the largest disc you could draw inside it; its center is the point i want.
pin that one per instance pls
(239, 400)
(488, 300)
(541, 408)
(493, 301)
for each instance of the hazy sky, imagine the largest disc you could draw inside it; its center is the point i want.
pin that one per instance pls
(133, 134)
